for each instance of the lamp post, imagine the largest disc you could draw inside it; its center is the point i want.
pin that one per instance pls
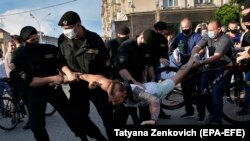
(131, 18)
(39, 24)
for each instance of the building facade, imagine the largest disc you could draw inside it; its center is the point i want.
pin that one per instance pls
(142, 14)
(4, 38)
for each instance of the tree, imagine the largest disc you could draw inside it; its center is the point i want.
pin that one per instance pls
(228, 12)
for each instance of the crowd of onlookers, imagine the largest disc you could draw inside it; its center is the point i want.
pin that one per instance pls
(37, 70)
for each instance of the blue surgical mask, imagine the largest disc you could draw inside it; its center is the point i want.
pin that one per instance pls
(211, 34)
(70, 33)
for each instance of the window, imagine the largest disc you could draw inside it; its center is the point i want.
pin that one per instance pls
(170, 3)
(203, 1)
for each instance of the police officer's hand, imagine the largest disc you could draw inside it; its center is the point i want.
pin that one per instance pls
(164, 61)
(72, 77)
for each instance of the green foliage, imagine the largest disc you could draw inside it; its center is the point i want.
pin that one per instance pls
(228, 12)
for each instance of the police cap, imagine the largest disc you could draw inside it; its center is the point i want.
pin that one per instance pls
(160, 25)
(26, 32)
(150, 37)
(69, 18)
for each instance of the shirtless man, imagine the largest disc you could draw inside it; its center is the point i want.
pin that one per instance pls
(134, 95)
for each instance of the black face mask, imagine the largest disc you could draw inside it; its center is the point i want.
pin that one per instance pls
(248, 26)
(186, 31)
(32, 44)
(233, 31)
(122, 39)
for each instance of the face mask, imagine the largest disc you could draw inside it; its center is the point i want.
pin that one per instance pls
(32, 44)
(186, 31)
(211, 34)
(203, 33)
(122, 39)
(248, 26)
(233, 31)
(70, 33)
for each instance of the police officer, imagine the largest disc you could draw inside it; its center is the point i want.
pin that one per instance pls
(112, 46)
(37, 69)
(130, 62)
(159, 53)
(81, 50)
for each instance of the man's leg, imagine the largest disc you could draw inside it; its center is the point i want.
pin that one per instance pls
(38, 104)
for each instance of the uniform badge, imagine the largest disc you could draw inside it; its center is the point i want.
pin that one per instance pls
(162, 45)
(22, 75)
(122, 59)
(65, 22)
(47, 56)
(92, 51)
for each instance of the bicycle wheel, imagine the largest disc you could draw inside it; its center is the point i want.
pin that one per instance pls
(9, 116)
(174, 100)
(232, 105)
(50, 110)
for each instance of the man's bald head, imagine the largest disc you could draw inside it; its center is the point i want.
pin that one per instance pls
(186, 22)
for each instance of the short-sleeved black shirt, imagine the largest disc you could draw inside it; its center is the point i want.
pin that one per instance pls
(88, 55)
(39, 60)
(130, 56)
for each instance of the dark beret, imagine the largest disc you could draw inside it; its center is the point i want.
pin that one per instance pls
(160, 25)
(124, 30)
(26, 32)
(69, 18)
(246, 18)
(150, 37)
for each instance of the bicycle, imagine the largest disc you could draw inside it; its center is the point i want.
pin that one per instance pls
(13, 111)
(175, 100)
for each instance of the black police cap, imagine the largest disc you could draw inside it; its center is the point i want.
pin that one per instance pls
(69, 18)
(150, 37)
(160, 25)
(26, 32)
(124, 30)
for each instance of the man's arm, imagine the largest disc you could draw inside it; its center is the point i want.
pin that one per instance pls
(124, 73)
(96, 80)
(41, 81)
(154, 105)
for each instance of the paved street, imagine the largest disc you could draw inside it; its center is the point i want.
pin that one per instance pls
(58, 131)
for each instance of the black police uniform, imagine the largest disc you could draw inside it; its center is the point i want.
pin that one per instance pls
(88, 55)
(157, 51)
(40, 60)
(132, 58)
(112, 46)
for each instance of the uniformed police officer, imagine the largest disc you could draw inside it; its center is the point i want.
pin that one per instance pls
(159, 53)
(81, 50)
(130, 62)
(37, 69)
(112, 46)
